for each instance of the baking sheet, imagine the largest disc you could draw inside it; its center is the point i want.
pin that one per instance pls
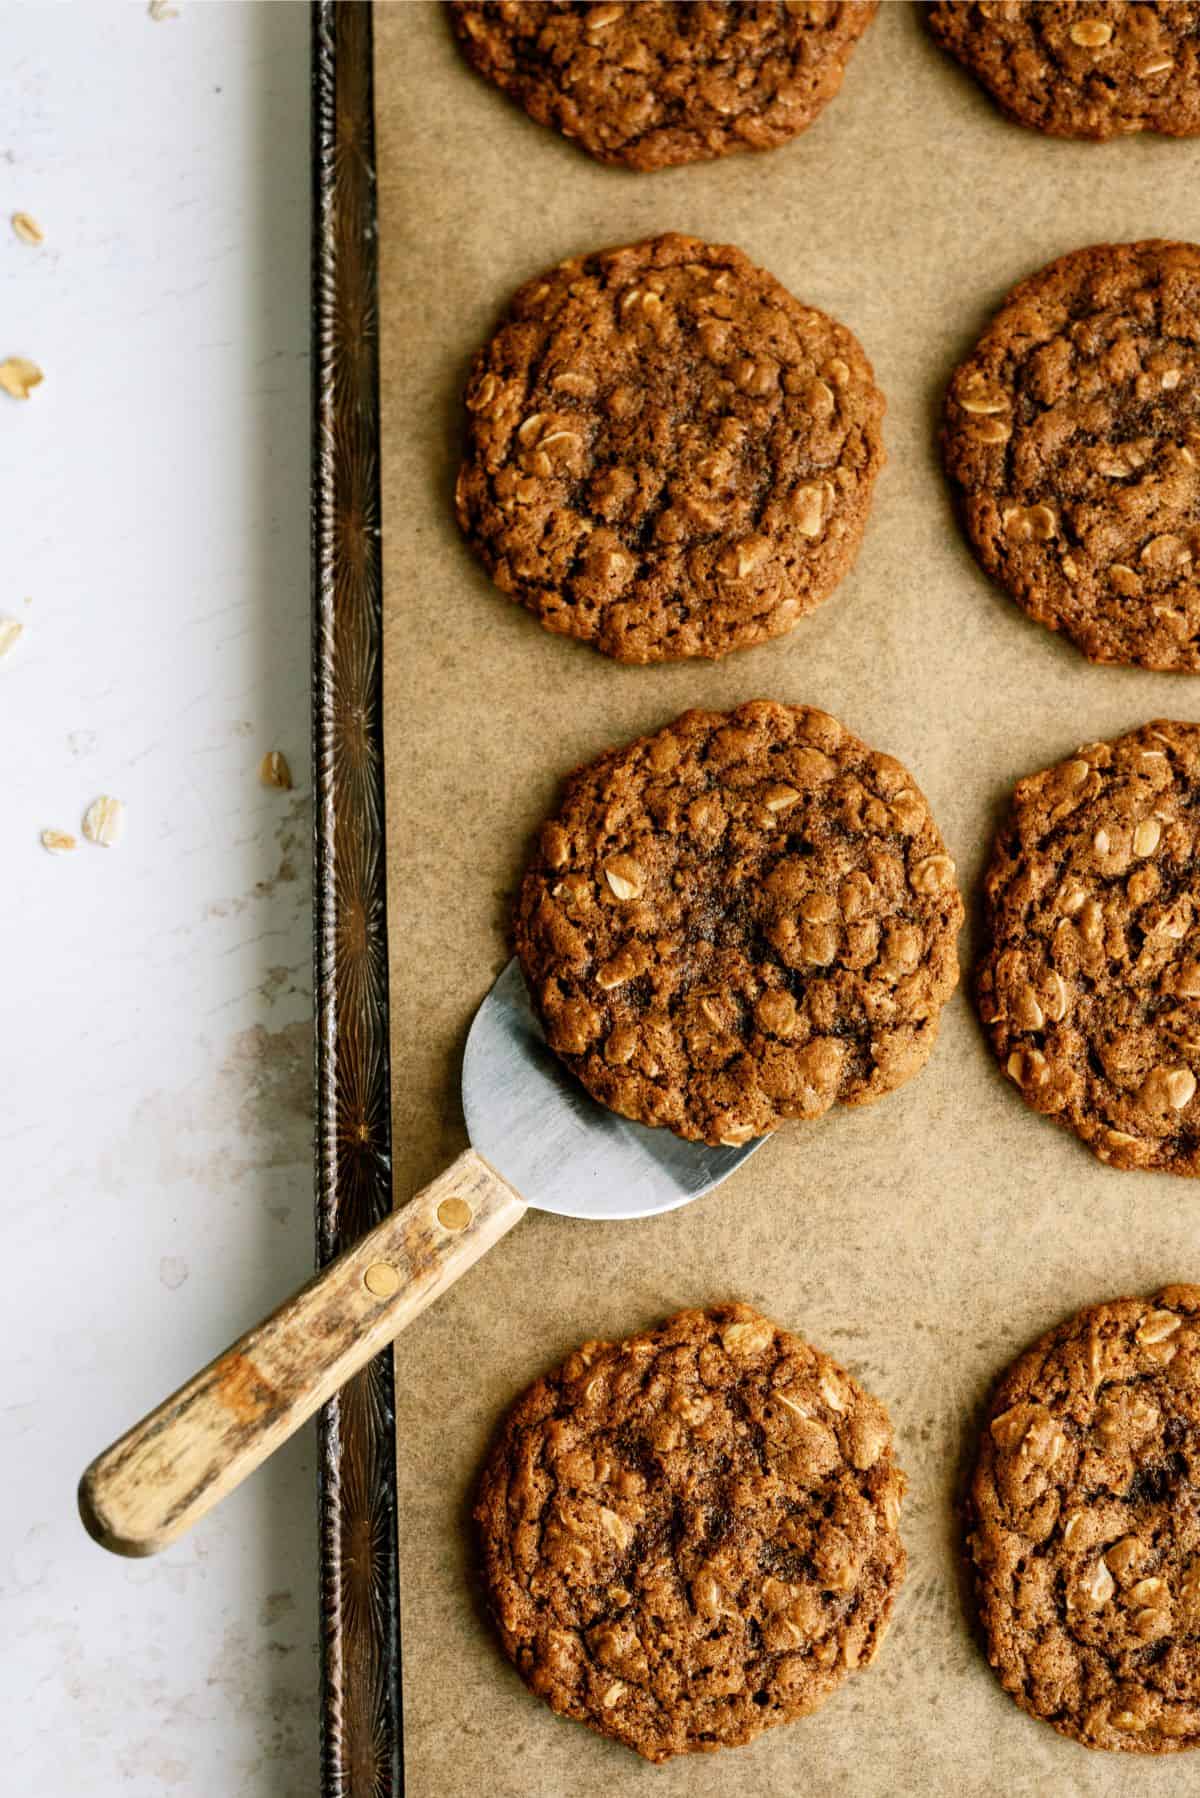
(924, 1240)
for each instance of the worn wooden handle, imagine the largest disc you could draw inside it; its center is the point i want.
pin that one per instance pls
(181, 1460)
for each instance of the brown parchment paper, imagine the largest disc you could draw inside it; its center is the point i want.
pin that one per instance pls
(924, 1240)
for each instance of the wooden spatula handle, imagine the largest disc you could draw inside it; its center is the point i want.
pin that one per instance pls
(182, 1459)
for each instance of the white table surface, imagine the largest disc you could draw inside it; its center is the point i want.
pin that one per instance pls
(155, 1069)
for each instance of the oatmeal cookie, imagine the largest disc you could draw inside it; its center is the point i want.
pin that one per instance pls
(1090, 976)
(1083, 68)
(691, 1536)
(748, 917)
(1072, 439)
(666, 454)
(1084, 1525)
(656, 83)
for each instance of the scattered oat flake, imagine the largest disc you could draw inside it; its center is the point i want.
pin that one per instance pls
(104, 821)
(11, 630)
(27, 228)
(159, 10)
(58, 842)
(19, 376)
(274, 770)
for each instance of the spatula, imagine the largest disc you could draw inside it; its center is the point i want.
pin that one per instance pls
(536, 1139)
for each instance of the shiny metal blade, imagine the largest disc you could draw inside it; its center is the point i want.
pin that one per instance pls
(563, 1152)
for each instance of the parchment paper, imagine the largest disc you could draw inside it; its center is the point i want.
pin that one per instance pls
(923, 1240)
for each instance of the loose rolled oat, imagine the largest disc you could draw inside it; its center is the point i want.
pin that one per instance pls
(58, 842)
(274, 770)
(19, 376)
(104, 821)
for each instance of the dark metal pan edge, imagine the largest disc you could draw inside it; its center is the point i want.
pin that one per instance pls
(361, 1714)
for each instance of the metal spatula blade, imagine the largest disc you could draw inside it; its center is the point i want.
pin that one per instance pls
(536, 1139)
(561, 1150)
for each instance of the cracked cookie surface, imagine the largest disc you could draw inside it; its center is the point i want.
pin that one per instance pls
(1082, 68)
(653, 84)
(691, 1536)
(1089, 984)
(1072, 437)
(748, 917)
(1084, 1525)
(667, 455)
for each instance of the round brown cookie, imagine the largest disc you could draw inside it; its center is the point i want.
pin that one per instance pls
(1086, 68)
(1072, 436)
(1084, 1525)
(1090, 978)
(691, 1536)
(654, 84)
(667, 455)
(747, 917)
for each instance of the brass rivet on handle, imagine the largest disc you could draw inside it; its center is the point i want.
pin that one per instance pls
(454, 1214)
(381, 1279)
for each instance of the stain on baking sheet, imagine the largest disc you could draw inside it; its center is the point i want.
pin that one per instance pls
(292, 835)
(253, 1114)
